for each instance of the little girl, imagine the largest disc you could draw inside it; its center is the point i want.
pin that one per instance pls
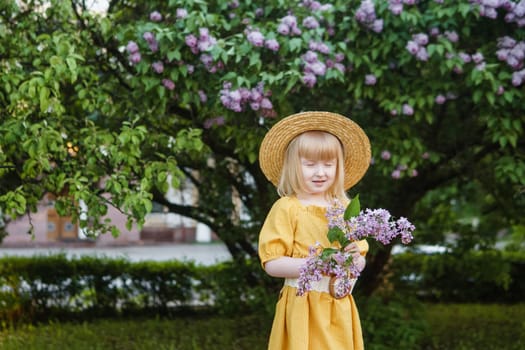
(312, 158)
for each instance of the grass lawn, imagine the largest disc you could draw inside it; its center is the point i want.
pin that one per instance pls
(453, 327)
(487, 327)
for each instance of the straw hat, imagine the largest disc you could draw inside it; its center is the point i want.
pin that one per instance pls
(356, 146)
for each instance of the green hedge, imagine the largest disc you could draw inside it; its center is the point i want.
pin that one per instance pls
(54, 286)
(484, 276)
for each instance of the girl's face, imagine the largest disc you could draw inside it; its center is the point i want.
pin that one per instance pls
(318, 175)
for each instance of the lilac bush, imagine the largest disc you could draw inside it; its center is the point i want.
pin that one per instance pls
(382, 60)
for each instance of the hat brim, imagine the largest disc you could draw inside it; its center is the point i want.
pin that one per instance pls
(356, 145)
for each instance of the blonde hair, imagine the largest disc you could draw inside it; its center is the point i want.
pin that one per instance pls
(316, 145)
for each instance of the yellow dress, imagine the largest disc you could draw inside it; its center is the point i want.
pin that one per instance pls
(315, 321)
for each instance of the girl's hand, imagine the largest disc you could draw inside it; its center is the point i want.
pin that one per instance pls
(352, 248)
(359, 261)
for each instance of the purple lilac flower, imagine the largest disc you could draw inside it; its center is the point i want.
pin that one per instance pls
(365, 11)
(208, 123)
(168, 84)
(434, 31)
(366, 15)
(518, 51)
(370, 79)
(266, 103)
(518, 77)
(309, 80)
(272, 45)
(202, 43)
(481, 66)
(421, 39)
(283, 29)
(310, 57)
(340, 67)
(506, 42)
(191, 40)
(452, 36)
(135, 57)
(466, 58)
(236, 100)
(407, 109)
(310, 22)
(395, 6)
(386, 155)
(132, 47)
(511, 51)
(288, 26)
(152, 42)
(319, 47)
(202, 96)
(206, 59)
(478, 57)
(181, 13)
(377, 26)
(158, 67)
(416, 46)
(487, 8)
(290, 21)
(412, 47)
(422, 54)
(317, 68)
(440, 99)
(256, 38)
(155, 16)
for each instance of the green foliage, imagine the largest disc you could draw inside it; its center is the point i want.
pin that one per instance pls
(54, 287)
(84, 120)
(483, 276)
(450, 326)
(218, 299)
(394, 323)
(475, 326)
(186, 332)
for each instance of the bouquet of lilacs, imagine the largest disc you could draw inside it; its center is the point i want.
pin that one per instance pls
(344, 264)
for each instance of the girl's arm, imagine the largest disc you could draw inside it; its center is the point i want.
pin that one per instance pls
(285, 267)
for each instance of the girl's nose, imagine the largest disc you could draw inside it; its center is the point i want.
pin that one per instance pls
(320, 170)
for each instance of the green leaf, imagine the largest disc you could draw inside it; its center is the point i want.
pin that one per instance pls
(44, 99)
(327, 252)
(174, 55)
(336, 234)
(353, 208)
(295, 44)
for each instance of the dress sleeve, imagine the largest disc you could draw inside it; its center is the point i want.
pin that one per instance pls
(277, 234)
(363, 246)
